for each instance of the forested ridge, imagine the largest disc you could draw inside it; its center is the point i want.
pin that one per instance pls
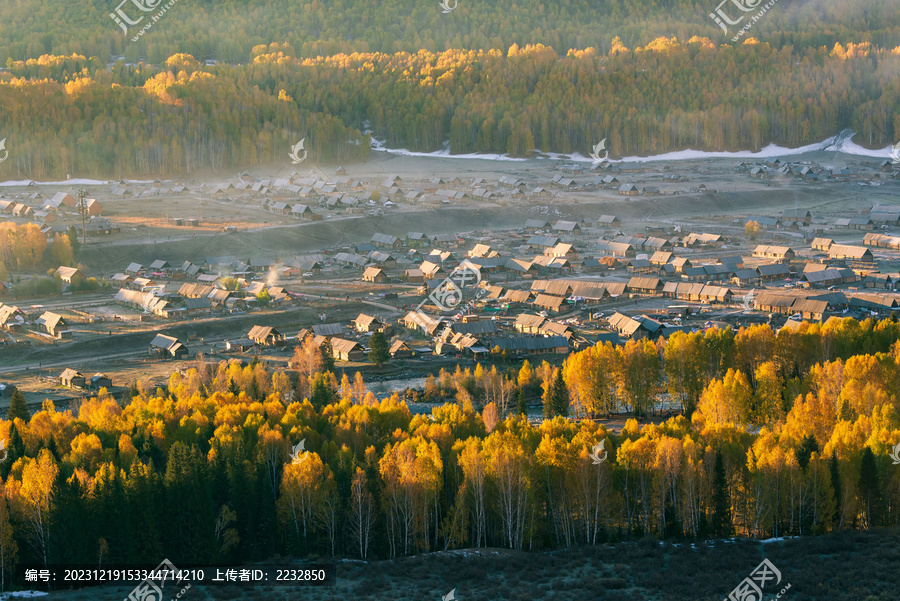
(226, 30)
(785, 434)
(69, 115)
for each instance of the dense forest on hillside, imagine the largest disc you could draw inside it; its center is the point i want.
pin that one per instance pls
(226, 30)
(65, 115)
(783, 434)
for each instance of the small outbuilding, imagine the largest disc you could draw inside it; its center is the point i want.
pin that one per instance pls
(71, 378)
(167, 347)
(99, 381)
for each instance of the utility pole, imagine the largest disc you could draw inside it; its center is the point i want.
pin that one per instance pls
(81, 194)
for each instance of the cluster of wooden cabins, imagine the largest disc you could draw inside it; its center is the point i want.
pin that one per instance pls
(143, 288)
(538, 333)
(44, 323)
(795, 219)
(48, 214)
(774, 169)
(653, 263)
(34, 203)
(472, 336)
(72, 378)
(545, 269)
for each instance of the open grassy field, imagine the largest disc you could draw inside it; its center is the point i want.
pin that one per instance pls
(146, 237)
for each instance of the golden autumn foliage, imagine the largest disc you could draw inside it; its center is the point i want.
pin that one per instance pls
(516, 99)
(787, 448)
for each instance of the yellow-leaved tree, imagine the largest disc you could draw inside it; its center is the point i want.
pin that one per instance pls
(30, 499)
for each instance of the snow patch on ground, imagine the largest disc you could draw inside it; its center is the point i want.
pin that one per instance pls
(444, 153)
(842, 142)
(68, 182)
(72, 182)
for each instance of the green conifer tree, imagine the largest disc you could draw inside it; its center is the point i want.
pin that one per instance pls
(17, 407)
(721, 520)
(378, 349)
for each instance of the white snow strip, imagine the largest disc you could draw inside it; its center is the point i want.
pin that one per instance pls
(840, 143)
(378, 145)
(68, 182)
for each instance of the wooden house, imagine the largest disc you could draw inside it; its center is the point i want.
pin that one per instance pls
(851, 253)
(382, 259)
(91, 207)
(822, 244)
(70, 275)
(416, 239)
(775, 271)
(766, 222)
(616, 249)
(549, 302)
(802, 216)
(61, 199)
(99, 381)
(631, 328)
(374, 274)
(346, 350)
(639, 266)
(400, 350)
(645, 285)
(529, 324)
(562, 250)
(167, 347)
(386, 241)
(777, 253)
(533, 225)
(533, 345)
(854, 223)
(571, 228)
(431, 270)
(266, 336)
(368, 323)
(71, 378)
(53, 324)
(160, 265)
(414, 275)
(609, 221)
